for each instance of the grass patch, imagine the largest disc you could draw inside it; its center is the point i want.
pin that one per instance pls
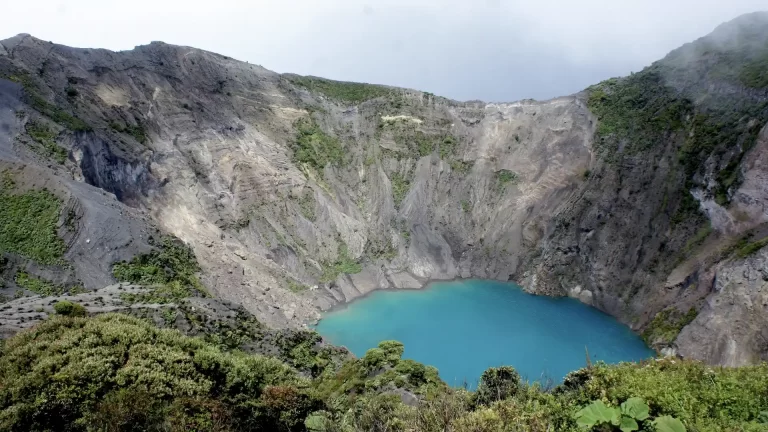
(296, 287)
(466, 206)
(47, 140)
(48, 109)
(745, 247)
(461, 167)
(698, 238)
(136, 131)
(314, 147)
(666, 325)
(344, 264)
(400, 187)
(39, 286)
(341, 90)
(28, 224)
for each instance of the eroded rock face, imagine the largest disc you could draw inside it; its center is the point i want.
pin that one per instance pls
(217, 170)
(419, 188)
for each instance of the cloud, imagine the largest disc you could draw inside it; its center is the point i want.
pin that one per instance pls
(472, 49)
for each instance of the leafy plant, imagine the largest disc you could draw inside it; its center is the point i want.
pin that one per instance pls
(668, 424)
(597, 414)
(634, 409)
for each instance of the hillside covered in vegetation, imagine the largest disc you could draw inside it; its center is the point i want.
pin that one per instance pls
(118, 373)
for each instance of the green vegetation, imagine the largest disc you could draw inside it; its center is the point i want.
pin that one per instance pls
(67, 308)
(296, 287)
(28, 224)
(417, 143)
(666, 325)
(136, 131)
(466, 206)
(701, 235)
(344, 265)
(48, 109)
(745, 247)
(171, 270)
(400, 187)
(461, 167)
(47, 140)
(340, 90)
(638, 108)
(607, 418)
(448, 147)
(38, 285)
(504, 177)
(314, 147)
(640, 113)
(307, 205)
(114, 372)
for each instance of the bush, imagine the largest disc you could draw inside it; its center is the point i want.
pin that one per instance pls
(55, 375)
(67, 308)
(314, 147)
(171, 268)
(497, 384)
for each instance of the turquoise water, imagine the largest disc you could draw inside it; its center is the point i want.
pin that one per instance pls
(464, 327)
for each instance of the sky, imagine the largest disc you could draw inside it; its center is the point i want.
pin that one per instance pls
(491, 50)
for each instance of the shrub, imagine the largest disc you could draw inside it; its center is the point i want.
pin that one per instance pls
(497, 384)
(314, 147)
(55, 375)
(171, 268)
(67, 308)
(505, 176)
(344, 264)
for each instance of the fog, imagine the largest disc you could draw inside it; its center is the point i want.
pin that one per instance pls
(492, 50)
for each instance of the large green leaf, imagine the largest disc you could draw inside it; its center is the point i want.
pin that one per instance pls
(597, 413)
(636, 408)
(668, 424)
(628, 424)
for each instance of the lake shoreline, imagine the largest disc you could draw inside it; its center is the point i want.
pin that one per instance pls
(541, 336)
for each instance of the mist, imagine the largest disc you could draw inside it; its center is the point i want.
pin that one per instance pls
(490, 50)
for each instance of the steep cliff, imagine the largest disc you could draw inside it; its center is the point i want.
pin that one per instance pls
(298, 193)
